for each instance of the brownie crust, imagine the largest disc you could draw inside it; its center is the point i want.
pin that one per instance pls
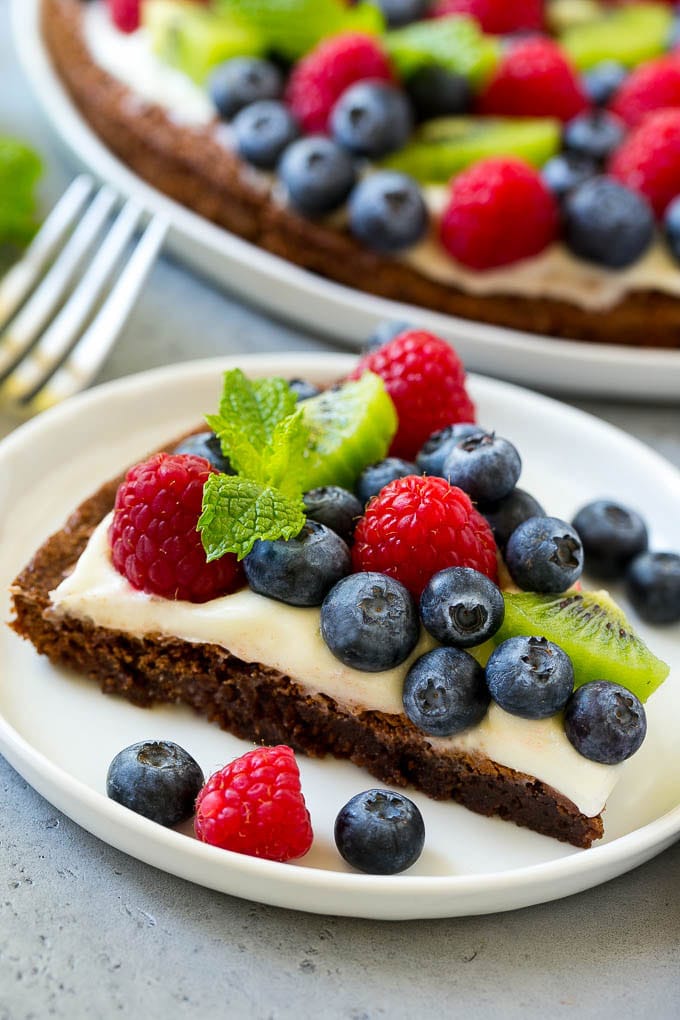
(191, 166)
(263, 705)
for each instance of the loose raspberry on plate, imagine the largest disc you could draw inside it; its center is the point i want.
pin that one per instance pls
(534, 79)
(651, 86)
(255, 806)
(125, 14)
(419, 525)
(153, 537)
(497, 17)
(500, 211)
(426, 380)
(322, 76)
(649, 160)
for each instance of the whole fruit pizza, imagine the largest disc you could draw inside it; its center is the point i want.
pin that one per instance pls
(513, 163)
(356, 572)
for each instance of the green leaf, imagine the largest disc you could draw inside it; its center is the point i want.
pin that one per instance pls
(283, 458)
(20, 169)
(249, 413)
(238, 511)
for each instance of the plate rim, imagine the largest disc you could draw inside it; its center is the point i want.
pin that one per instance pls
(430, 896)
(554, 363)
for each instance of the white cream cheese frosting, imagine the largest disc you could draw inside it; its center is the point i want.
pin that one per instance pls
(288, 639)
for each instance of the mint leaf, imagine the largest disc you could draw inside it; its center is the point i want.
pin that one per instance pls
(238, 511)
(251, 409)
(283, 458)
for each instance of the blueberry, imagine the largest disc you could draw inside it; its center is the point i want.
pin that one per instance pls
(445, 692)
(595, 134)
(485, 466)
(242, 81)
(318, 174)
(605, 722)
(603, 80)
(611, 535)
(402, 12)
(206, 444)
(303, 389)
(157, 779)
(380, 832)
(436, 92)
(653, 586)
(435, 450)
(376, 476)
(461, 607)
(544, 554)
(387, 211)
(384, 332)
(263, 130)
(370, 622)
(607, 223)
(566, 171)
(508, 513)
(372, 118)
(337, 508)
(530, 677)
(672, 227)
(300, 571)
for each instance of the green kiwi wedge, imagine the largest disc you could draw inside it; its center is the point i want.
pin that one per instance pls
(455, 43)
(351, 427)
(443, 147)
(594, 633)
(627, 35)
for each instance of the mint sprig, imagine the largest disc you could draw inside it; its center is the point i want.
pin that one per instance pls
(264, 435)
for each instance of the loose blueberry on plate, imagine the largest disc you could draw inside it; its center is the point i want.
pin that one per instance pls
(672, 227)
(508, 513)
(317, 173)
(242, 81)
(376, 476)
(372, 119)
(485, 466)
(603, 80)
(565, 171)
(530, 677)
(435, 91)
(653, 586)
(380, 832)
(303, 389)
(461, 607)
(433, 454)
(370, 622)
(445, 692)
(207, 445)
(606, 223)
(300, 571)
(263, 131)
(157, 779)
(387, 211)
(594, 135)
(611, 535)
(605, 722)
(544, 554)
(335, 507)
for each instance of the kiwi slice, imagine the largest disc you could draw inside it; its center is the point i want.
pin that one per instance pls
(351, 427)
(195, 39)
(455, 43)
(627, 35)
(594, 633)
(445, 146)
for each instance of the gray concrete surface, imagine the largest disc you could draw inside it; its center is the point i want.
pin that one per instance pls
(87, 932)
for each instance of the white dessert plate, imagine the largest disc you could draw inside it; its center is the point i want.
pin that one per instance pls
(60, 732)
(310, 301)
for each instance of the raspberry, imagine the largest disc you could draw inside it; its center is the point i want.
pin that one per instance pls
(255, 806)
(497, 17)
(125, 14)
(321, 77)
(649, 87)
(426, 380)
(499, 211)
(649, 159)
(417, 526)
(534, 79)
(153, 537)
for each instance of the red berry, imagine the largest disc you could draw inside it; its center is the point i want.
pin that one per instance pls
(419, 525)
(497, 17)
(153, 537)
(125, 14)
(651, 86)
(321, 77)
(534, 79)
(426, 380)
(499, 211)
(255, 806)
(649, 159)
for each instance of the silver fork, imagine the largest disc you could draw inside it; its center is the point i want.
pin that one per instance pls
(63, 305)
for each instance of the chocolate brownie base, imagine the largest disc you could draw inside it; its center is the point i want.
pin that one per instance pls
(263, 705)
(191, 166)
